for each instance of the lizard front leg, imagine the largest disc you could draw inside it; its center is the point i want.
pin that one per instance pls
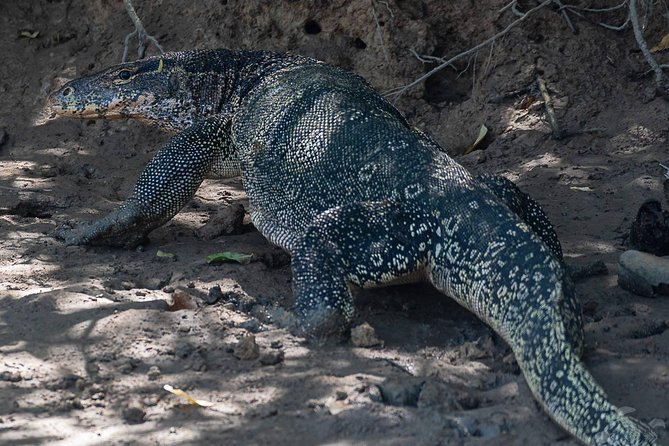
(167, 183)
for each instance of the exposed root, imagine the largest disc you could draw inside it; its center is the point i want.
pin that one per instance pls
(660, 77)
(140, 32)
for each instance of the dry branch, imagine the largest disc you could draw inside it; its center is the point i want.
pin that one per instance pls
(397, 92)
(140, 32)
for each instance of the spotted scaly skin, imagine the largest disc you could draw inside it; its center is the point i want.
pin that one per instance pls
(337, 177)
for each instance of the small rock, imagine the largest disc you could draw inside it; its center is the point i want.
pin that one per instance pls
(401, 392)
(168, 289)
(241, 301)
(276, 344)
(375, 395)
(127, 285)
(228, 220)
(11, 376)
(134, 413)
(74, 403)
(272, 357)
(214, 295)
(340, 395)
(650, 230)
(643, 274)
(587, 270)
(364, 335)
(438, 394)
(173, 430)
(274, 260)
(253, 325)
(153, 373)
(247, 349)
(157, 283)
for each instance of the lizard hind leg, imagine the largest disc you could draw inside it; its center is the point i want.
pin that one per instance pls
(366, 244)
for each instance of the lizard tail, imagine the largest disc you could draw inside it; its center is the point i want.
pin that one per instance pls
(565, 389)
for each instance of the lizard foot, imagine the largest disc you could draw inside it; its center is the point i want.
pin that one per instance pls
(99, 233)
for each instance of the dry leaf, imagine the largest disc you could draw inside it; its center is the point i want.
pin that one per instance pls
(187, 397)
(28, 34)
(229, 256)
(663, 45)
(483, 132)
(181, 300)
(164, 254)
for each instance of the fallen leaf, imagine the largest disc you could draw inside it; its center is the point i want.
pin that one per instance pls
(483, 132)
(663, 45)
(526, 102)
(27, 34)
(164, 254)
(181, 300)
(187, 397)
(229, 256)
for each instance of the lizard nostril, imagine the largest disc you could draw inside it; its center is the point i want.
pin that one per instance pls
(68, 91)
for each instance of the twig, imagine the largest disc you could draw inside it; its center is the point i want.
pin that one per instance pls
(638, 34)
(508, 5)
(425, 58)
(597, 10)
(140, 32)
(565, 15)
(556, 131)
(379, 31)
(550, 111)
(397, 92)
(666, 170)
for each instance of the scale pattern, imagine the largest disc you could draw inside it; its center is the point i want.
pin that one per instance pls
(337, 177)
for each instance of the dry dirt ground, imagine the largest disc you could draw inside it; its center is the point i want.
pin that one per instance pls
(87, 337)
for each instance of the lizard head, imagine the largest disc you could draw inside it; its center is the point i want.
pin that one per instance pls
(147, 90)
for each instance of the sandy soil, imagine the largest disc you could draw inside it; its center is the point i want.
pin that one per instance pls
(88, 337)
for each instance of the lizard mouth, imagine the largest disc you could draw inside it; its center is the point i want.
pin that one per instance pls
(59, 104)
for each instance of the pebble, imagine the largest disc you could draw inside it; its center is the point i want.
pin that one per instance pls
(153, 373)
(401, 392)
(253, 325)
(364, 335)
(643, 273)
(272, 357)
(247, 349)
(134, 413)
(11, 376)
(214, 295)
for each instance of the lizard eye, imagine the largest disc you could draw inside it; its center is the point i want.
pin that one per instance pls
(124, 75)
